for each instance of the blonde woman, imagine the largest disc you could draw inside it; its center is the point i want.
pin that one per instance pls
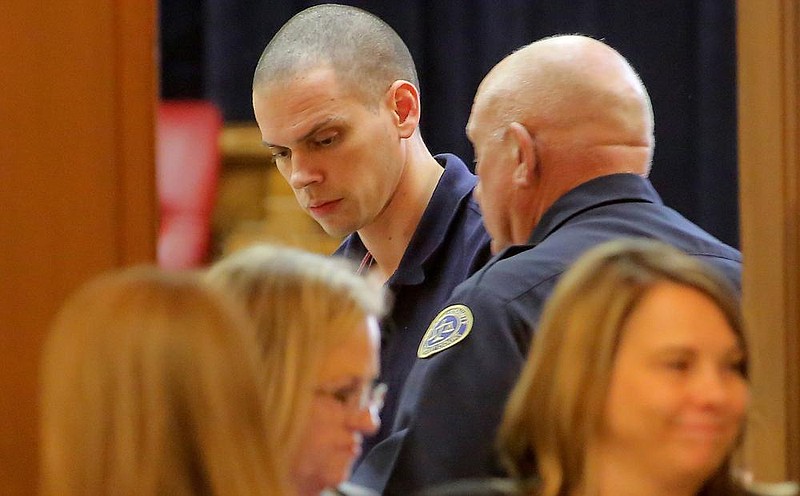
(150, 387)
(319, 341)
(636, 382)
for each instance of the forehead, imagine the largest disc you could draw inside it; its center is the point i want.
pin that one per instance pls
(287, 108)
(670, 314)
(475, 121)
(484, 118)
(355, 356)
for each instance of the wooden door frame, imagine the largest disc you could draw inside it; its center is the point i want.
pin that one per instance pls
(768, 44)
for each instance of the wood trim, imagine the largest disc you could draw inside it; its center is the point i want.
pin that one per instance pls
(792, 150)
(136, 100)
(767, 43)
(76, 181)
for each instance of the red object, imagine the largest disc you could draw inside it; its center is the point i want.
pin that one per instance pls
(187, 171)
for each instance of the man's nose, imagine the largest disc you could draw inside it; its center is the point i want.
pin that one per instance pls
(304, 171)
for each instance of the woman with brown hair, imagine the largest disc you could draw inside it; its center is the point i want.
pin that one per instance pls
(150, 386)
(636, 382)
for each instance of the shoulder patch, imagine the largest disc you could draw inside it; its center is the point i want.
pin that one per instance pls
(448, 328)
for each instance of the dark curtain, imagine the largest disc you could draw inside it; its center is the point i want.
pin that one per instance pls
(684, 51)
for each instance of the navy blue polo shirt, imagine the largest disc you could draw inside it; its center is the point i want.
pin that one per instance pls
(454, 398)
(449, 244)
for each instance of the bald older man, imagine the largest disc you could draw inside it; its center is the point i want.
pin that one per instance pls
(563, 135)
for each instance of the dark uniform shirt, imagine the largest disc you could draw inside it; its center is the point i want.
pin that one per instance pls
(449, 244)
(454, 399)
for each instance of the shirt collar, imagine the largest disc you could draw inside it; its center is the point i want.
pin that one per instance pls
(614, 188)
(456, 184)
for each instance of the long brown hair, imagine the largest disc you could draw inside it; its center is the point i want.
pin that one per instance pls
(150, 386)
(555, 409)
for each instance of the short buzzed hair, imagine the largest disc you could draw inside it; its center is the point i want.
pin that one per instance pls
(364, 51)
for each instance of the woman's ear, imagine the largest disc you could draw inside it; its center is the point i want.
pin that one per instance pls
(524, 147)
(404, 102)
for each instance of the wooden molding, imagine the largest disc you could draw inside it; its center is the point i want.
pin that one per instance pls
(76, 181)
(768, 42)
(136, 100)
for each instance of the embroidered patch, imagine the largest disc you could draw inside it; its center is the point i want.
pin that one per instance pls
(448, 328)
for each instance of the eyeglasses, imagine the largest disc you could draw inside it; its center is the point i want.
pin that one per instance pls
(357, 396)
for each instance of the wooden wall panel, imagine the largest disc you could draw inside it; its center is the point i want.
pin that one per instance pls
(768, 43)
(76, 180)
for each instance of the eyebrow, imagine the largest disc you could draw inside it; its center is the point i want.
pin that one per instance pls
(314, 130)
(733, 350)
(346, 383)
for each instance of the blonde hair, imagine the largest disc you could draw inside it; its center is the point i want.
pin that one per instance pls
(304, 305)
(150, 386)
(555, 410)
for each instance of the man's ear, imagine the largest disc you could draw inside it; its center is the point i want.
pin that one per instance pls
(404, 102)
(525, 158)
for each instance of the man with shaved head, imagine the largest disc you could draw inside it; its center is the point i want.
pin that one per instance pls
(563, 136)
(336, 97)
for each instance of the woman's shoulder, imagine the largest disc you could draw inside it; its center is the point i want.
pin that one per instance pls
(481, 487)
(349, 489)
(772, 489)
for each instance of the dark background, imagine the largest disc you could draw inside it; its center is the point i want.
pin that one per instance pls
(684, 51)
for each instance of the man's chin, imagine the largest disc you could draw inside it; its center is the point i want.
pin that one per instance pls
(336, 231)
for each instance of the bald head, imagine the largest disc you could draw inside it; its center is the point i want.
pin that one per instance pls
(363, 51)
(577, 96)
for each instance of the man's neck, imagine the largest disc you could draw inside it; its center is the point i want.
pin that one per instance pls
(388, 236)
